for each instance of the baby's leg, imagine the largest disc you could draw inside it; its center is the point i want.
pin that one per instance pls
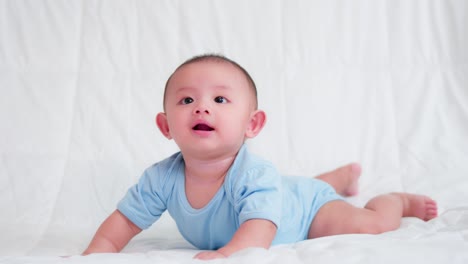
(381, 214)
(344, 179)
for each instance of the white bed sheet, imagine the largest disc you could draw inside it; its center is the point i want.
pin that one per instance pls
(383, 83)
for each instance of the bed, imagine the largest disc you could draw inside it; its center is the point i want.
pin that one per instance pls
(382, 83)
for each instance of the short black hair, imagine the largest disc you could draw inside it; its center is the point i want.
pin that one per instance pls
(214, 58)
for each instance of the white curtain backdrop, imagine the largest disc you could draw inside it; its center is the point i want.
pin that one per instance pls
(380, 82)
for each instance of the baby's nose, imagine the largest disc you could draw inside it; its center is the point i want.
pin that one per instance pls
(201, 109)
(198, 111)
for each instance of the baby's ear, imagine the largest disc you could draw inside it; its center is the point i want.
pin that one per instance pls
(257, 122)
(161, 122)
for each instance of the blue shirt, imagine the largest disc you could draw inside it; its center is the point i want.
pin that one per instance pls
(252, 189)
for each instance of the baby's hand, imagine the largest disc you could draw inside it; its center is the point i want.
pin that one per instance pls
(207, 255)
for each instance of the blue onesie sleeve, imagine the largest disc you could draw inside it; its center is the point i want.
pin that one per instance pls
(145, 202)
(255, 188)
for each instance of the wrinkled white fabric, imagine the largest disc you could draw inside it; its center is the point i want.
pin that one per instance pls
(383, 83)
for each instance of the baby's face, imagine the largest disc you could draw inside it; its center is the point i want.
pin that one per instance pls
(208, 107)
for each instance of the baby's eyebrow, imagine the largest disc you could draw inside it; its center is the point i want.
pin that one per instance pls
(184, 89)
(190, 88)
(222, 87)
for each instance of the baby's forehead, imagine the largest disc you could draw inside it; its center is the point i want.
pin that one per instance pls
(211, 68)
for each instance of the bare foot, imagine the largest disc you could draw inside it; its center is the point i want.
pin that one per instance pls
(419, 206)
(354, 172)
(344, 179)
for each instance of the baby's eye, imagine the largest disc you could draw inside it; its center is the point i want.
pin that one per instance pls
(186, 100)
(220, 100)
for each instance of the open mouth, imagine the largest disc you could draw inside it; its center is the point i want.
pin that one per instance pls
(202, 127)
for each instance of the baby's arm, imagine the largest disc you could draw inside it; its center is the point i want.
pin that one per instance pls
(252, 233)
(113, 234)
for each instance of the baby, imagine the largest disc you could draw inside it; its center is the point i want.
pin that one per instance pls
(223, 198)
